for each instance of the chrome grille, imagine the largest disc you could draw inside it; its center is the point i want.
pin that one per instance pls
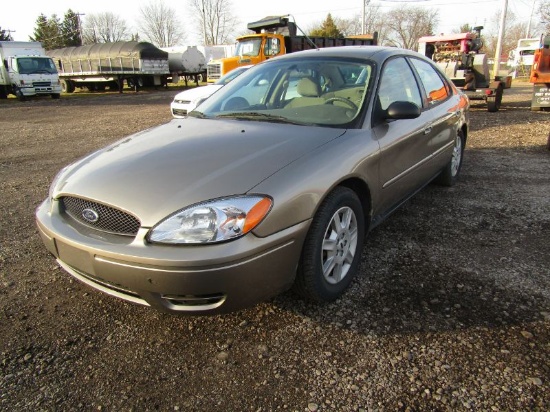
(108, 219)
(214, 70)
(42, 84)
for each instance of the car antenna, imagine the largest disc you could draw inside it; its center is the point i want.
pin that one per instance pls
(305, 35)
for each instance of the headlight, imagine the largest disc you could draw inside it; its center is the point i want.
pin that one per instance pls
(212, 221)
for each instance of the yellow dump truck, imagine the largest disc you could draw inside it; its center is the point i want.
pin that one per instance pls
(274, 36)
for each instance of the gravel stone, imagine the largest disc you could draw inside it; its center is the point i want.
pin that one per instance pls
(450, 311)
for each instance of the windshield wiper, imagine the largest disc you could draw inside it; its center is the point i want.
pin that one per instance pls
(258, 116)
(197, 114)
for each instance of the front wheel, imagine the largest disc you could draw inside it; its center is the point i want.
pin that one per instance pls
(332, 249)
(449, 175)
(19, 94)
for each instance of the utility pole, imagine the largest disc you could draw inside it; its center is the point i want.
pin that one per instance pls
(496, 66)
(364, 16)
(9, 32)
(80, 27)
(528, 31)
(204, 23)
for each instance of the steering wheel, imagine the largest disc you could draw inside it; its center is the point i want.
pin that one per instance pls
(342, 100)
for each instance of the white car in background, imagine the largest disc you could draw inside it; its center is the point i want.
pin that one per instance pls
(186, 101)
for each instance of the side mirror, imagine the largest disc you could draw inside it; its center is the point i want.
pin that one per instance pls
(402, 110)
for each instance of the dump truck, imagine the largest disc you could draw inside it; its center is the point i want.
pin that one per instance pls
(274, 36)
(26, 70)
(540, 76)
(101, 65)
(459, 57)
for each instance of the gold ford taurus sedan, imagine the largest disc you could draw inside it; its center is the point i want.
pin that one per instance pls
(272, 183)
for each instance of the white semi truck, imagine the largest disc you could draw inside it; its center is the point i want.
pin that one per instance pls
(26, 70)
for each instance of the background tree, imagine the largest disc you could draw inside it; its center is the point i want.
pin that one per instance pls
(464, 28)
(405, 25)
(327, 28)
(70, 29)
(513, 31)
(48, 32)
(159, 24)
(5, 35)
(104, 28)
(214, 20)
(373, 22)
(544, 11)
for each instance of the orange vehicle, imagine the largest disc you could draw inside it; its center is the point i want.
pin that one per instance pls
(275, 36)
(540, 76)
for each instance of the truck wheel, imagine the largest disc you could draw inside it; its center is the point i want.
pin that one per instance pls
(19, 94)
(56, 96)
(3, 93)
(67, 86)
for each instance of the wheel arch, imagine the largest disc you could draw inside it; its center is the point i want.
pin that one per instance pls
(362, 190)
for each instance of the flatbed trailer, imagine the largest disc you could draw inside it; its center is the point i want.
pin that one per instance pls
(102, 65)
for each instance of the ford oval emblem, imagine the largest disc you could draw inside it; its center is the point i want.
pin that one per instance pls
(90, 215)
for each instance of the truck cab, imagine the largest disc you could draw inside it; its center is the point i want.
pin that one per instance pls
(26, 71)
(252, 49)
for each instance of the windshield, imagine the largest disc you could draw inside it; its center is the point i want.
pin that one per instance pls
(222, 81)
(248, 47)
(29, 65)
(323, 92)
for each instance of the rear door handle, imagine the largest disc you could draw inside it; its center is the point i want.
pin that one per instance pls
(428, 130)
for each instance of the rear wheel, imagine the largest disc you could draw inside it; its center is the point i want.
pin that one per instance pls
(449, 175)
(67, 86)
(332, 249)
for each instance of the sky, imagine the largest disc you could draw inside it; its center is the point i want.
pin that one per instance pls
(307, 13)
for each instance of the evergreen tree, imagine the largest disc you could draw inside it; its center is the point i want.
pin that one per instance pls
(48, 32)
(70, 29)
(328, 29)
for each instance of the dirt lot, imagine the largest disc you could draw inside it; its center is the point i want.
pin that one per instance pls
(451, 310)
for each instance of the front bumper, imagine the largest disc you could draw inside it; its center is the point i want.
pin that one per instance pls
(209, 279)
(40, 90)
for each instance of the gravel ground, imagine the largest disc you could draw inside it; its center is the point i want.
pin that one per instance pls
(451, 310)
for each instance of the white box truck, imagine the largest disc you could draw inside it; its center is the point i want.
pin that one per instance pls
(26, 70)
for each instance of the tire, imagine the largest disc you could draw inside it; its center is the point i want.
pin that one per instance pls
(332, 248)
(450, 173)
(56, 96)
(3, 93)
(19, 94)
(67, 86)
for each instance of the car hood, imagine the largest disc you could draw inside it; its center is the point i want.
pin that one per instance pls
(197, 92)
(156, 172)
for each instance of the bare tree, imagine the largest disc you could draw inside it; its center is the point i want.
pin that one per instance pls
(215, 20)
(406, 25)
(513, 31)
(374, 22)
(104, 28)
(160, 25)
(544, 11)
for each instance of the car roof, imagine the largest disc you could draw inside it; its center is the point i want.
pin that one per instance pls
(376, 53)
